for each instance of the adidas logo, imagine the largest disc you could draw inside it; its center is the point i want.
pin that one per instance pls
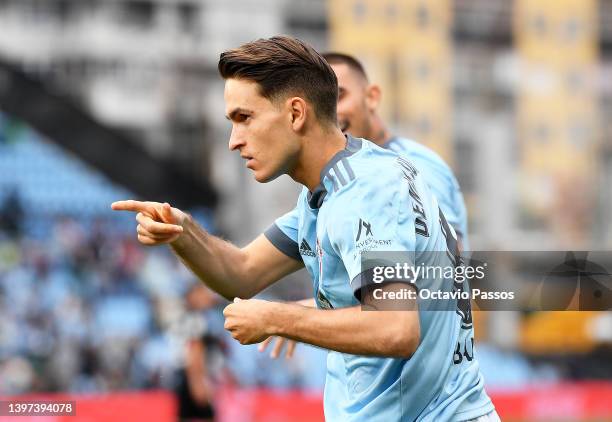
(305, 249)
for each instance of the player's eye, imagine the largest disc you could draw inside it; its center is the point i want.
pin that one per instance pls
(242, 117)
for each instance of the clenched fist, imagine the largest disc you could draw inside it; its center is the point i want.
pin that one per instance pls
(250, 321)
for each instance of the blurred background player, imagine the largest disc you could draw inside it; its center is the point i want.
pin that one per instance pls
(203, 353)
(358, 103)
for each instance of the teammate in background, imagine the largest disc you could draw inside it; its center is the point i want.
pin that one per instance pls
(396, 365)
(358, 102)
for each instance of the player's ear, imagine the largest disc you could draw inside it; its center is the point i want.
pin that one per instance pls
(373, 96)
(298, 110)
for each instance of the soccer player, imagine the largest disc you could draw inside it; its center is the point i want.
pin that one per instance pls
(397, 365)
(357, 110)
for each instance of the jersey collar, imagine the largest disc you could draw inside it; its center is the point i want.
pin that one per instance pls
(328, 181)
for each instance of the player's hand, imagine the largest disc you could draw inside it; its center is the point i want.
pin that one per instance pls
(157, 223)
(249, 321)
(278, 346)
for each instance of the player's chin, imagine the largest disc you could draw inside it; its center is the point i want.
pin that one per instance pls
(263, 176)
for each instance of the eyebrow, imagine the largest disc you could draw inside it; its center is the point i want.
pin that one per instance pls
(232, 114)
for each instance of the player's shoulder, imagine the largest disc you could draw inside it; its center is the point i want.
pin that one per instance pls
(422, 156)
(361, 172)
(372, 160)
(410, 147)
(370, 171)
(414, 150)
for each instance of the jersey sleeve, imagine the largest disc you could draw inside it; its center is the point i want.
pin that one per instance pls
(283, 234)
(370, 225)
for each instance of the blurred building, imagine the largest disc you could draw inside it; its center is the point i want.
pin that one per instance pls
(511, 94)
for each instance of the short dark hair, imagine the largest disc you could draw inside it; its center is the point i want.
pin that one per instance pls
(333, 57)
(284, 65)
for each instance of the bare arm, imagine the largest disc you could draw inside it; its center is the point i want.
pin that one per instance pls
(229, 270)
(281, 341)
(310, 303)
(225, 268)
(352, 330)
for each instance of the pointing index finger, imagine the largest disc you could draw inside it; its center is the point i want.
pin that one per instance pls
(131, 205)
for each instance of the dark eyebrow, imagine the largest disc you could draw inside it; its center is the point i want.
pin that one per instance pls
(232, 114)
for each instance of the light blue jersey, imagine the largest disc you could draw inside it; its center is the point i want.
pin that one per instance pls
(440, 180)
(371, 199)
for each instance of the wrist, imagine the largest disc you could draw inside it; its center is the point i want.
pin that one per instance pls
(277, 319)
(286, 317)
(187, 224)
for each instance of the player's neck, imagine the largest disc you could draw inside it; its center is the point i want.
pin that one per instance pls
(379, 133)
(317, 150)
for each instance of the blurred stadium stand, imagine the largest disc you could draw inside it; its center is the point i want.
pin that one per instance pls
(74, 130)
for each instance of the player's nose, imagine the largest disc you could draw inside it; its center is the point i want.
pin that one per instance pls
(236, 141)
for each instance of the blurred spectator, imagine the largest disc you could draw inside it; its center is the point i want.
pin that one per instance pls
(85, 309)
(11, 213)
